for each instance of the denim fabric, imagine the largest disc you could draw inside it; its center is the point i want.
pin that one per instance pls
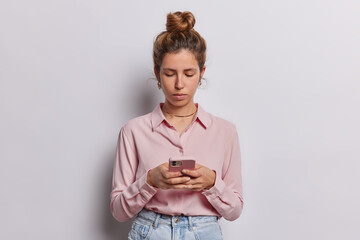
(150, 225)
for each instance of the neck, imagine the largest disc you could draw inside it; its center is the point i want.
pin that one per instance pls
(179, 110)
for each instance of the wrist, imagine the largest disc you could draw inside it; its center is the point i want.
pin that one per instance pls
(213, 181)
(148, 178)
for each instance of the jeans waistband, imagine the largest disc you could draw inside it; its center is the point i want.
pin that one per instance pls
(177, 220)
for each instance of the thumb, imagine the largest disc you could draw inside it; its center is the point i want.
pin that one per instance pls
(192, 173)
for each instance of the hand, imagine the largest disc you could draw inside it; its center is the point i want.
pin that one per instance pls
(203, 178)
(160, 177)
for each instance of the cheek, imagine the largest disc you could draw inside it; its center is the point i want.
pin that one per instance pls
(165, 83)
(166, 87)
(194, 84)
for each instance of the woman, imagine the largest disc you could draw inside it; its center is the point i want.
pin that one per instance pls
(183, 204)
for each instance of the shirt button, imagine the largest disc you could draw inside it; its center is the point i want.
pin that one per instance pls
(181, 151)
(176, 220)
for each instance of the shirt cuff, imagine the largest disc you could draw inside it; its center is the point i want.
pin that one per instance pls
(217, 189)
(145, 189)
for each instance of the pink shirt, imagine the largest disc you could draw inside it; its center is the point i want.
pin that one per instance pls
(149, 140)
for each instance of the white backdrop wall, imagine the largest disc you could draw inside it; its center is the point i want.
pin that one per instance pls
(285, 72)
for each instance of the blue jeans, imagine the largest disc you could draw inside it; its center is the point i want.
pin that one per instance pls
(150, 225)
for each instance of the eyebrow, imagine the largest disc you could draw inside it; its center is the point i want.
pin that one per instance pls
(188, 69)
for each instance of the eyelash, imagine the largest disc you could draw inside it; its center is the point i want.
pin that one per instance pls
(170, 75)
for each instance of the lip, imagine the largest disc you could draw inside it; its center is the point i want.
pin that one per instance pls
(179, 96)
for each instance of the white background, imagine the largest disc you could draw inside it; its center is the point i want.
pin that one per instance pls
(285, 72)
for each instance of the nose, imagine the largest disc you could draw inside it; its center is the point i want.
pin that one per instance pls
(179, 84)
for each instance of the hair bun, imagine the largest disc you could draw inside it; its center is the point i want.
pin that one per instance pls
(180, 21)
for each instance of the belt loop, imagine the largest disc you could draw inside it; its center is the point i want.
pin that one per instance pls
(156, 222)
(190, 223)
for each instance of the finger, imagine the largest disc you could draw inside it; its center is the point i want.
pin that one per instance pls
(193, 181)
(192, 173)
(167, 174)
(164, 185)
(164, 166)
(197, 166)
(196, 187)
(177, 186)
(177, 180)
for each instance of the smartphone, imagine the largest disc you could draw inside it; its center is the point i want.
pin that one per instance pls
(177, 164)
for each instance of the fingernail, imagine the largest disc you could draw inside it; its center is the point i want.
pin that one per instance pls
(184, 171)
(188, 179)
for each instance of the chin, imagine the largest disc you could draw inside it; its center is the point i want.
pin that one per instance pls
(180, 103)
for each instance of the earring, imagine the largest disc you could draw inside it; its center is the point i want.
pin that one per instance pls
(159, 85)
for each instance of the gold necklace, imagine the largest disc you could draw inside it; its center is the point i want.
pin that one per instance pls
(180, 115)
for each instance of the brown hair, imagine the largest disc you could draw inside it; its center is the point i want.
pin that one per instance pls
(179, 35)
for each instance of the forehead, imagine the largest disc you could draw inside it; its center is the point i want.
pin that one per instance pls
(184, 59)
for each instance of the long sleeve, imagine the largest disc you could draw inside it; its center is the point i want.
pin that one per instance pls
(149, 140)
(226, 196)
(129, 194)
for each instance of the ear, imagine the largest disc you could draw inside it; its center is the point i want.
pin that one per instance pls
(202, 72)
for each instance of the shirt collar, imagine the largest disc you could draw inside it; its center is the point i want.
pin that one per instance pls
(157, 117)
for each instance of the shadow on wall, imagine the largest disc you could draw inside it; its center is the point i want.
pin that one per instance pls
(112, 229)
(141, 98)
